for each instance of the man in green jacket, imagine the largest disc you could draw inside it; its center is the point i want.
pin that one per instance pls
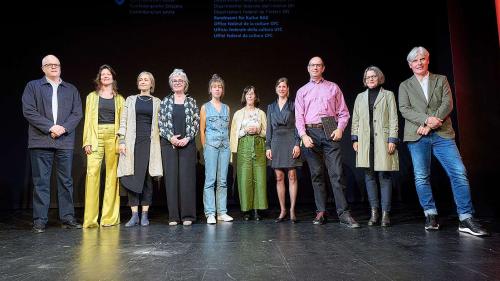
(425, 101)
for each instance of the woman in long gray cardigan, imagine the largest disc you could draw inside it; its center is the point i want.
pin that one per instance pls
(140, 153)
(374, 134)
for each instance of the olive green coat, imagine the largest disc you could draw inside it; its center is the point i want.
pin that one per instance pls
(415, 108)
(385, 126)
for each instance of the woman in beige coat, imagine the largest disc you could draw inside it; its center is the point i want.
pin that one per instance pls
(140, 153)
(374, 134)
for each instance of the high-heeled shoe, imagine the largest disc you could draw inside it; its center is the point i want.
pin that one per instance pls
(293, 219)
(280, 219)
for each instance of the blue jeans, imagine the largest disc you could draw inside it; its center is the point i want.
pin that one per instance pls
(216, 167)
(41, 167)
(385, 179)
(446, 151)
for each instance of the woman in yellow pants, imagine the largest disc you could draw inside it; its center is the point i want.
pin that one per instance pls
(100, 141)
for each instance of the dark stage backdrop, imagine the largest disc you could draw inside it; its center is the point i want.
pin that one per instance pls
(247, 42)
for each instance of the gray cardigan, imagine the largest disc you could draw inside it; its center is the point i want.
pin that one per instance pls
(37, 109)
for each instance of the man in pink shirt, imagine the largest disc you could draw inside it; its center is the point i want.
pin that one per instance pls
(316, 99)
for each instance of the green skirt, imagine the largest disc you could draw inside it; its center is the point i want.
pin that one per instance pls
(251, 173)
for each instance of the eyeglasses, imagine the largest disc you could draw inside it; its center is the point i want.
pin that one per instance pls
(316, 65)
(177, 81)
(370, 77)
(52, 65)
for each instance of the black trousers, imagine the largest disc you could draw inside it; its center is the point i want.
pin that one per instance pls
(145, 198)
(325, 152)
(179, 172)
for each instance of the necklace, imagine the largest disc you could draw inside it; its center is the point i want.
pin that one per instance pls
(148, 98)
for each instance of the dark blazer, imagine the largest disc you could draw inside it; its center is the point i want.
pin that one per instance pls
(415, 108)
(37, 109)
(284, 119)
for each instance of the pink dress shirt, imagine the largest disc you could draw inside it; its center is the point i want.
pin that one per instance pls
(319, 99)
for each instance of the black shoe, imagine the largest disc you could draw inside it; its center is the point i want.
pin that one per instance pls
(247, 216)
(38, 228)
(256, 215)
(348, 221)
(71, 224)
(472, 227)
(431, 222)
(320, 218)
(280, 219)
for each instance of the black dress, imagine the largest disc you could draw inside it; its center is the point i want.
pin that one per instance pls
(281, 135)
(143, 117)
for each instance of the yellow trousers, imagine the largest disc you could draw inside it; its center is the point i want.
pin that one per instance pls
(110, 214)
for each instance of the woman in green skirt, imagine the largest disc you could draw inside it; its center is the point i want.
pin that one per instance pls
(248, 140)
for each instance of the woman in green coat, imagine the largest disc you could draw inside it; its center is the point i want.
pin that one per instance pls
(374, 134)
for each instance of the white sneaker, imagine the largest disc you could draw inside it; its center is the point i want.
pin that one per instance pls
(172, 223)
(211, 219)
(224, 217)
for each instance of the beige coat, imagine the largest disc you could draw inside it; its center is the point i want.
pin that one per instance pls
(415, 108)
(128, 129)
(236, 126)
(385, 125)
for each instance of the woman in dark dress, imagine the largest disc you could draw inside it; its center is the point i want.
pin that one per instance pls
(179, 125)
(140, 156)
(282, 146)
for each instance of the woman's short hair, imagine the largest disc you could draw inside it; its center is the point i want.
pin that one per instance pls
(415, 52)
(151, 78)
(378, 72)
(182, 74)
(97, 80)
(216, 79)
(284, 80)
(245, 91)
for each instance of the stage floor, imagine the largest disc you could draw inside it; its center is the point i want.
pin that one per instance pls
(250, 250)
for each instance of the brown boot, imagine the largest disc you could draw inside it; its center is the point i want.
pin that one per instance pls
(386, 221)
(374, 218)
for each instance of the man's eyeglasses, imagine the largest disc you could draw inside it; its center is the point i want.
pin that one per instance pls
(52, 65)
(316, 65)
